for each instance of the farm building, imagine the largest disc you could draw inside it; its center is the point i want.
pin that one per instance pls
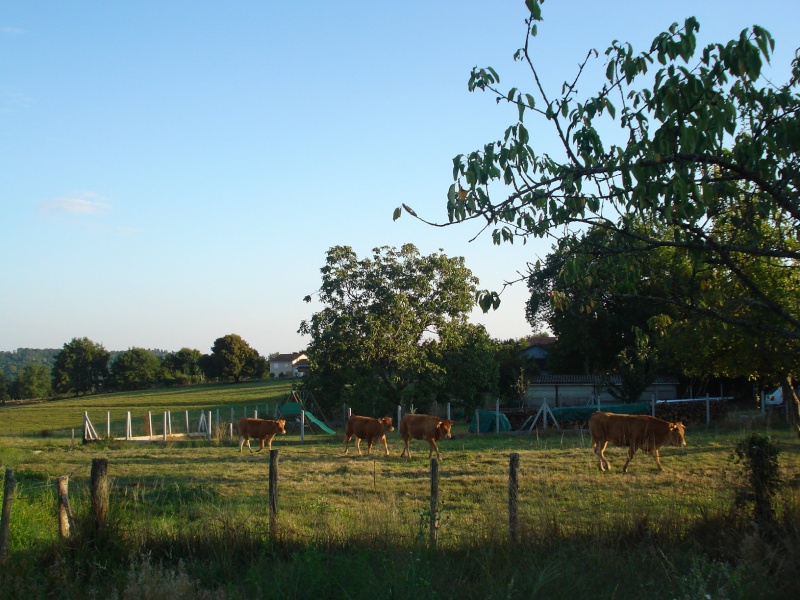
(289, 365)
(583, 390)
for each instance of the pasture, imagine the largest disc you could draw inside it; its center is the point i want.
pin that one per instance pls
(190, 518)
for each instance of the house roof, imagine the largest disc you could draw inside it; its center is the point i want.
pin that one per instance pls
(541, 341)
(292, 357)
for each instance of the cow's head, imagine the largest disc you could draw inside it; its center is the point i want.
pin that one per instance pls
(677, 434)
(444, 428)
(281, 425)
(386, 422)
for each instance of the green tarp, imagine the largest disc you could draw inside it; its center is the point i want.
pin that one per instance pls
(486, 421)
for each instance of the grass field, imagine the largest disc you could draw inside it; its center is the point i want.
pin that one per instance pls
(190, 518)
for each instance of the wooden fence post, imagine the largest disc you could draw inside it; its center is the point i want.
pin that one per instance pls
(5, 516)
(434, 524)
(99, 487)
(65, 519)
(513, 495)
(273, 493)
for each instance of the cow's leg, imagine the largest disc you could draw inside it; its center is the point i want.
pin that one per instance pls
(658, 460)
(241, 443)
(602, 463)
(358, 445)
(631, 452)
(406, 448)
(434, 446)
(369, 445)
(248, 446)
(346, 442)
(261, 447)
(385, 445)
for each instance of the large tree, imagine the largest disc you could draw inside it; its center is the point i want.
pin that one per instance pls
(705, 138)
(184, 364)
(135, 369)
(232, 356)
(380, 315)
(32, 382)
(80, 367)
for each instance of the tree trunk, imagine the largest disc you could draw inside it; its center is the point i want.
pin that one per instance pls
(794, 403)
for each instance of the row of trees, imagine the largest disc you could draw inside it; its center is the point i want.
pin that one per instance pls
(84, 367)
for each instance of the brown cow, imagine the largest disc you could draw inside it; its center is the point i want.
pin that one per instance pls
(259, 429)
(634, 431)
(367, 428)
(423, 427)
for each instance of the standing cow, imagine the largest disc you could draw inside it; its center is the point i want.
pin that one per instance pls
(369, 429)
(423, 427)
(634, 431)
(259, 429)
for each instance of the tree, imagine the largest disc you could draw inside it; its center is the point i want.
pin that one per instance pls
(186, 363)
(3, 388)
(231, 356)
(371, 341)
(135, 369)
(514, 370)
(470, 374)
(707, 142)
(32, 382)
(80, 367)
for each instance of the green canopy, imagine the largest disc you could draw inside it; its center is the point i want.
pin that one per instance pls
(486, 420)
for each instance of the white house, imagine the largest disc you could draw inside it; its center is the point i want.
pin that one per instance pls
(288, 365)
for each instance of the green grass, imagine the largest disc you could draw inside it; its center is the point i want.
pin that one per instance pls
(190, 518)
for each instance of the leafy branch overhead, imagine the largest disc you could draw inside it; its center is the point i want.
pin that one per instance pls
(704, 161)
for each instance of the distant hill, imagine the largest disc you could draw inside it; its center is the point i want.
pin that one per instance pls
(11, 363)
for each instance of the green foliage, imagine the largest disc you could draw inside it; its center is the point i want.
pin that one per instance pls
(32, 382)
(135, 369)
(184, 364)
(371, 343)
(80, 367)
(12, 363)
(233, 357)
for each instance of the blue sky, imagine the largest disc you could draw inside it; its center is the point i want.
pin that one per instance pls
(175, 171)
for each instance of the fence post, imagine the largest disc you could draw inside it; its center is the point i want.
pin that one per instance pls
(5, 516)
(273, 493)
(187, 422)
(149, 431)
(708, 410)
(128, 428)
(434, 523)
(513, 495)
(398, 416)
(477, 421)
(165, 426)
(302, 426)
(652, 405)
(209, 426)
(99, 487)
(108, 424)
(65, 519)
(448, 412)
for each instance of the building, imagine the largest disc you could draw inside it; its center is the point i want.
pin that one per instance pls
(289, 365)
(586, 390)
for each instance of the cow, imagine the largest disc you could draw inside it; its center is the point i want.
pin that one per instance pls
(634, 431)
(369, 429)
(259, 429)
(423, 427)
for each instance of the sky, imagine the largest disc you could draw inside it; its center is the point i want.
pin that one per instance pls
(172, 172)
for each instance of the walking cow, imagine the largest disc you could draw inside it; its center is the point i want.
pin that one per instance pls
(634, 431)
(423, 427)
